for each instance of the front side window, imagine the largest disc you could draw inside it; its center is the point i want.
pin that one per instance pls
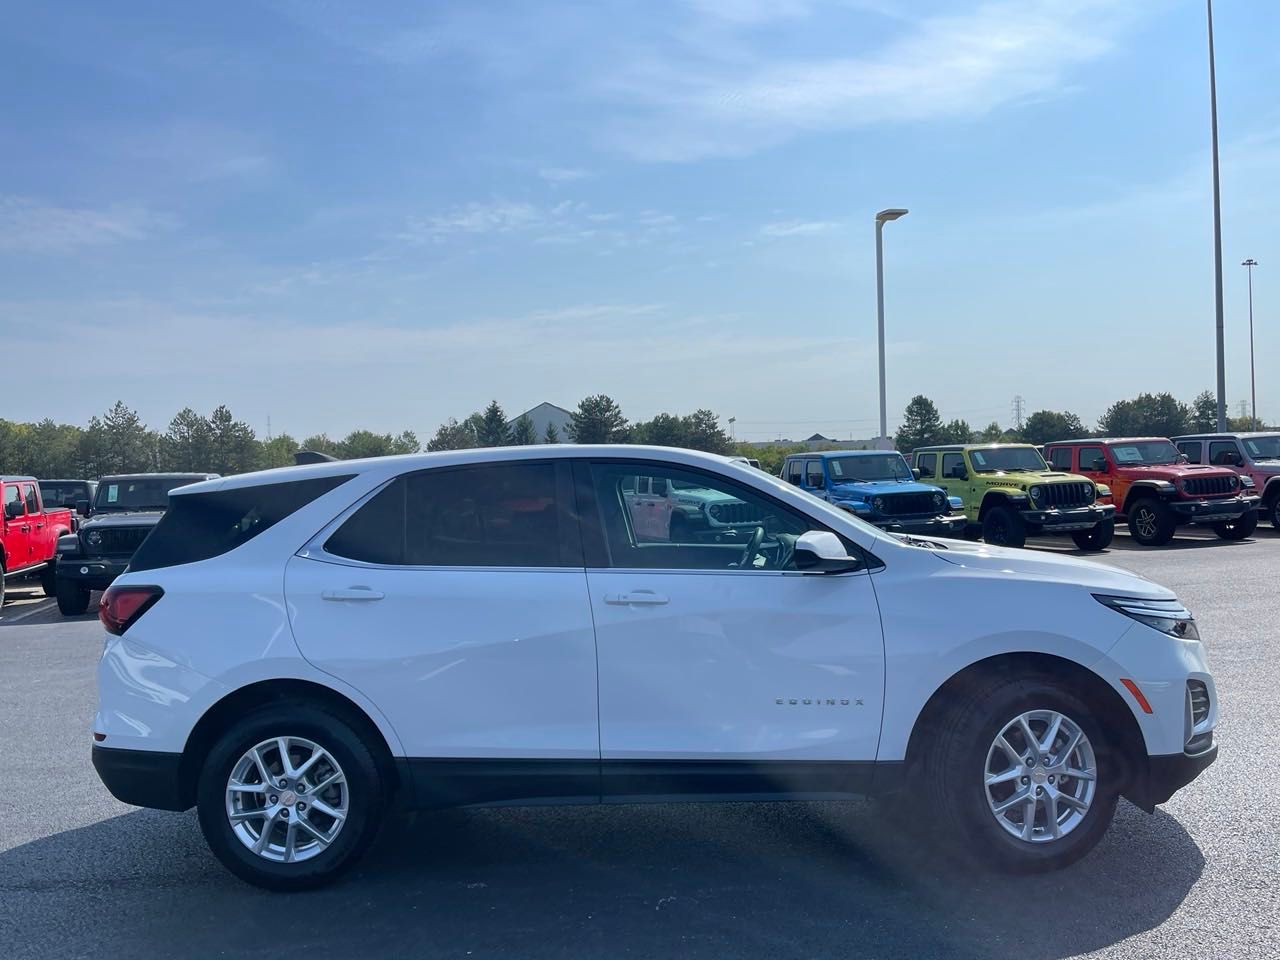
(29, 495)
(1191, 450)
(725, 527)
(1093, 459)
(11, 495)
(813, 473)
(1223, 453)
(500, 515)
(927, 462)
(953, 465)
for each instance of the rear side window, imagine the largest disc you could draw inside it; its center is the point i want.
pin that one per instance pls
(1060, 458)
(205, 525)
(795, 471)
(506, 515)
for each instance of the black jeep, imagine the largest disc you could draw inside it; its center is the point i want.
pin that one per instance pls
(123, 512)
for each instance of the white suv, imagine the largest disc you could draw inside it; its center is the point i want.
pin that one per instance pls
(295, 651)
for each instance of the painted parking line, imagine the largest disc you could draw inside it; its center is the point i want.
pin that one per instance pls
(38, 607)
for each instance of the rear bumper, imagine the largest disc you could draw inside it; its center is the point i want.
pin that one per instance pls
(96, 573)
(1169, 773)
(144, 778)
(1075, 518)
(1213, 511)
(941, 526)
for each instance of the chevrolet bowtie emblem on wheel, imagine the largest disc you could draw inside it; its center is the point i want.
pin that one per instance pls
(817, 701)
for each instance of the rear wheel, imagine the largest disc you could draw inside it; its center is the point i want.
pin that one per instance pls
(1004, 527)
(1098, 537)
(1238, 528)
(1151, 522)
(290, 797)
(1273, 510)
(1019, 777)
(73, 597)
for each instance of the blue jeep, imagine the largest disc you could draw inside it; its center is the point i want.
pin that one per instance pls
(879, 487)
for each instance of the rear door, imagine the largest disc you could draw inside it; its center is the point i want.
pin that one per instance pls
(455, 599)
(706, 654)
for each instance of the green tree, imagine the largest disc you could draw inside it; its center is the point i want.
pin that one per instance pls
(1204, 413)
(664, 430)
(278, 451)
(702, 432)
(522, 432)
(492, 429)
(405, 442)
(320, 443)
(598, 420)
(552, 435)
(991, 433)
(452, 435)
(957, 431)
(1155, 415)
(118, 442)
(921, 425)
(1045, 426)
(185, 446)
(233, 447)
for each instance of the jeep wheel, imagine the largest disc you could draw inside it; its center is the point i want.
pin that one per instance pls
(1019, 776)
(1238, 528)
(49, 580)
(1097, 537)
(1, 585)
(1151, 522)
(73, 598)
(1004, 527)
(1273, 511)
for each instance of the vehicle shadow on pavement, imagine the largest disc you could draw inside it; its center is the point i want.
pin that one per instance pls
(723, 880)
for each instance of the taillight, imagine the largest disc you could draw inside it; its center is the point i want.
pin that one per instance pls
(120, 607)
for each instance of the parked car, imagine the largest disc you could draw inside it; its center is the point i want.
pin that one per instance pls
(879, 487)
(125, 508)
(294, 651)
(1010, 493)
(1252, 455)
(29, 532)
(68, 493)
(1156, 490)
(678, 511)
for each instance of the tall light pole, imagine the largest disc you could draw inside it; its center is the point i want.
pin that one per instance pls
(1217, 229)
(883, 217)
(1253, 384)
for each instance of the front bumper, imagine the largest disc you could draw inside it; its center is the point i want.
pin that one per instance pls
(940, 526)
(144, 778)
(1074, 518)
(1169, 773)
(96, 573)
(1213, 511)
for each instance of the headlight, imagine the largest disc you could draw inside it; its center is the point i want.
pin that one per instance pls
(1167, 616)
(93, 538)
(939, 501)
(1164, 486)
(1037, 494)
(878, 503)
(1247, 482)
(1103, 490)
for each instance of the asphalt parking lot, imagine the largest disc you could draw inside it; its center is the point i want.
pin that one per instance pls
(84, 876)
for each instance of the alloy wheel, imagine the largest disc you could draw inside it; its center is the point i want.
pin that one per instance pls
(287, 799)
(1041, 776)
(1144, 518)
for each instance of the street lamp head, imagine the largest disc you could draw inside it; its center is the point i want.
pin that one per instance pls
(1249, 263)
(893, 213)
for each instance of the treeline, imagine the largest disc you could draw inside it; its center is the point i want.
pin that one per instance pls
(1146, 415)
(119, 442)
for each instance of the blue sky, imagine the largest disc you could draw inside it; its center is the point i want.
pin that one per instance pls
(382, 215)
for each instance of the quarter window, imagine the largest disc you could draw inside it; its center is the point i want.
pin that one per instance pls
(505, 515)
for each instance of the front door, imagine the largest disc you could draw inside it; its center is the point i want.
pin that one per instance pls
(722, 669)
(456, 601)
(954, 478)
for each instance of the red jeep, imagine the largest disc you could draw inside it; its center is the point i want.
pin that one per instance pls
(1156, 490)
(29, 533)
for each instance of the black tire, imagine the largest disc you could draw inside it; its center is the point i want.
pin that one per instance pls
(1239, 528)
(1004, 527)
(1, 586)
(73, 598)
(366, 796)
(1097, 537)
(973, 532)
(1151, 522)
(950, 778)
(679, 530)
(1272, 508)
(49, 580)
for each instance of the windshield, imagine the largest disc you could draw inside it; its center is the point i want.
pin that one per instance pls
(888, 466)
(1144, 453)
(143, 493)
(62, 494)
(1263, 448)
(1007, 459)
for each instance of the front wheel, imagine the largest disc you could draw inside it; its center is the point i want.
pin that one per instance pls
(290, 797)
(1273, 512)
(1004, 527)
(73, 597)
(1019, 775)
(1097, 537)
(1151, 522)
(49, 580)
(1239, 528)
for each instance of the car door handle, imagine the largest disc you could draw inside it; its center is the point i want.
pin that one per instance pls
(39, 526)
(352, 593)
(26, 528)
(645, 598)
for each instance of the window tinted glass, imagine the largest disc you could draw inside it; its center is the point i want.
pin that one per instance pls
(1223, 452)
(138, 493)
(1191, 450)
(813, 473)
(205, 525)
(63, 494)
(926, 462)
(11, 494)
(795, 470)
(1092, 459)
(493, 516)
(1060, 458)
(707, 531)
(952, 464)
(29, 494)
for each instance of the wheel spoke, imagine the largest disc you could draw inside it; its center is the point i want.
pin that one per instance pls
(236, 786)
(290, 828)
(329, 781)
(286, 765)
(1032, 743)
(1014, 755)
(1003, 776)
(240, 816)
(315, 831)
(1046, 745)
(1051, 815)
(263, 770)
(308, 763)
(1029, 818)
(1089, 774)
(265, 836)
(319, 806)
(1075, 803)
(1069, 748)
(1022, 796)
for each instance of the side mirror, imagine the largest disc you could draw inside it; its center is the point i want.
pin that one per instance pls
(819, 551)
(915, 472)
(82, 507)
(13, 509)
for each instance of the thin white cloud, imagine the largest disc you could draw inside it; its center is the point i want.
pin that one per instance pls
(497, 216)
(27, 225)
(797, 228)
(563, 174)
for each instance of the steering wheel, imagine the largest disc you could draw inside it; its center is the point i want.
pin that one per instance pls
(752, 548)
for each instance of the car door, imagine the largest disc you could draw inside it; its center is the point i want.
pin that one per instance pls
(455, 599)
(954, 478)
(719, 673)
(17, 529)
